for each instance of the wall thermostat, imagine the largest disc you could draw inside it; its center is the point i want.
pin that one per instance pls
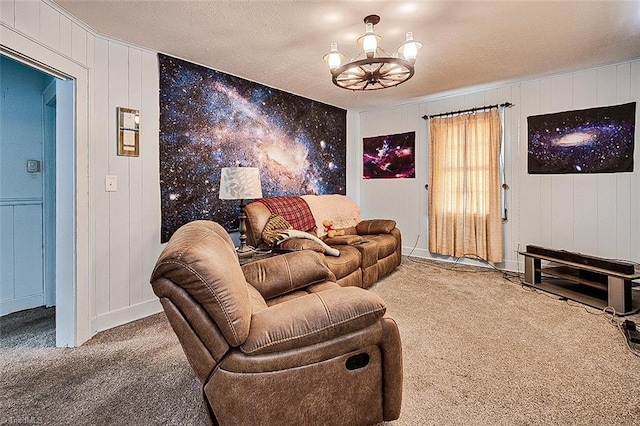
(33, 166)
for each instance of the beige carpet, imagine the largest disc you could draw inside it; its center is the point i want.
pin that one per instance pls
(478, 350)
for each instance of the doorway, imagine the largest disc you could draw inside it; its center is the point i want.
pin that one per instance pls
(74, 254)
(32, 129)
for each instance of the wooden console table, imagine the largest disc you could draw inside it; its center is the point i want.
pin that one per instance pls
(591, 285)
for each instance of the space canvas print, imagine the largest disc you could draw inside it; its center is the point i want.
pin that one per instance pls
(210, 120)
(594, 140)
(389, 156)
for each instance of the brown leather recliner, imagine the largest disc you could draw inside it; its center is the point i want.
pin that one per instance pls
(277, 341)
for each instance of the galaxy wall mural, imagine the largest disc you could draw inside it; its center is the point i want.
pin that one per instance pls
(595, 140)
(210, 120)
(389, 156)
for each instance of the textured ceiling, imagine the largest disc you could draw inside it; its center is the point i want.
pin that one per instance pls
(466, 43)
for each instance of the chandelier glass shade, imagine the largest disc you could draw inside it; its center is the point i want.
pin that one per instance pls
(373, 68)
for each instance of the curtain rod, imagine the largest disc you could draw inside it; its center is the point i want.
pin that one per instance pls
(462, 111)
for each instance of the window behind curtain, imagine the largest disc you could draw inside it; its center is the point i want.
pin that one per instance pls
(464, 186)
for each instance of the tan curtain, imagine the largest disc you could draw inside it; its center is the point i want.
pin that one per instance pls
(464, 186)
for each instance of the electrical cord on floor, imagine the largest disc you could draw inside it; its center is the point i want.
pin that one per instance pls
(619, 325)
(414, 247)
(630, 331)
(609, 312)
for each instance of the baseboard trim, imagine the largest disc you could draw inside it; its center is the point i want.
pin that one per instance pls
(14, 305)
(507, 265)
(125, 315)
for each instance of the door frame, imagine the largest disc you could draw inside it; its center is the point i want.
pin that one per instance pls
(49, 193)
(74, 283)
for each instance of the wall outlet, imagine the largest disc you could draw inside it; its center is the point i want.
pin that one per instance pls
(516, 247)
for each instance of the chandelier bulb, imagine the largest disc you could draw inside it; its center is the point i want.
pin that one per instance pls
(409, 48)
(334, 58)
(369, 43)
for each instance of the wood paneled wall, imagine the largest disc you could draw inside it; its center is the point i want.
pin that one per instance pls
(596, 214)
(127, 231)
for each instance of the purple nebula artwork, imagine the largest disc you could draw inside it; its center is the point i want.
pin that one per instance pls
(210, 120)
(595, 140)
(390, 156)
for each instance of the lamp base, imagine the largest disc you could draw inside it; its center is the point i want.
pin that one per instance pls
(245, 251)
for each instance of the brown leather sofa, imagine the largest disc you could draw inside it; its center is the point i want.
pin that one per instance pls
(369, 250)
(277, 341)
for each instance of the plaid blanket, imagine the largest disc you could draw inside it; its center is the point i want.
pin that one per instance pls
(293, 209)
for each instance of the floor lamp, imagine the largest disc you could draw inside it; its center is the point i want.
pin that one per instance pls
(241, 183)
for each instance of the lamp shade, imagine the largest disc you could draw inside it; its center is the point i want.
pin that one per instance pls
(240, 183)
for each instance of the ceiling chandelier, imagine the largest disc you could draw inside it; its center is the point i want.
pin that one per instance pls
(373, 68)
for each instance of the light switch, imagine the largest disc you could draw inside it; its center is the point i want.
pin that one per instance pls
(111, 183)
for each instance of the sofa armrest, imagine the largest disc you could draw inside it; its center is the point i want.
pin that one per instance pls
(313, 318)
(278, 275)
(298, 244)
(343, 240)
(375, 226)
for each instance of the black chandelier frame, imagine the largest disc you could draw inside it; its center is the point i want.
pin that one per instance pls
(373, 71)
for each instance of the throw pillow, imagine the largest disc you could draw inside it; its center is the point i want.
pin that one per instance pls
(277, 230)
(272, 233)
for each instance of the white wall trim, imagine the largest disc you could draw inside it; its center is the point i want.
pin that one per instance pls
(42, 63)
(20, 304)
(128, 314)
(22, 201)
